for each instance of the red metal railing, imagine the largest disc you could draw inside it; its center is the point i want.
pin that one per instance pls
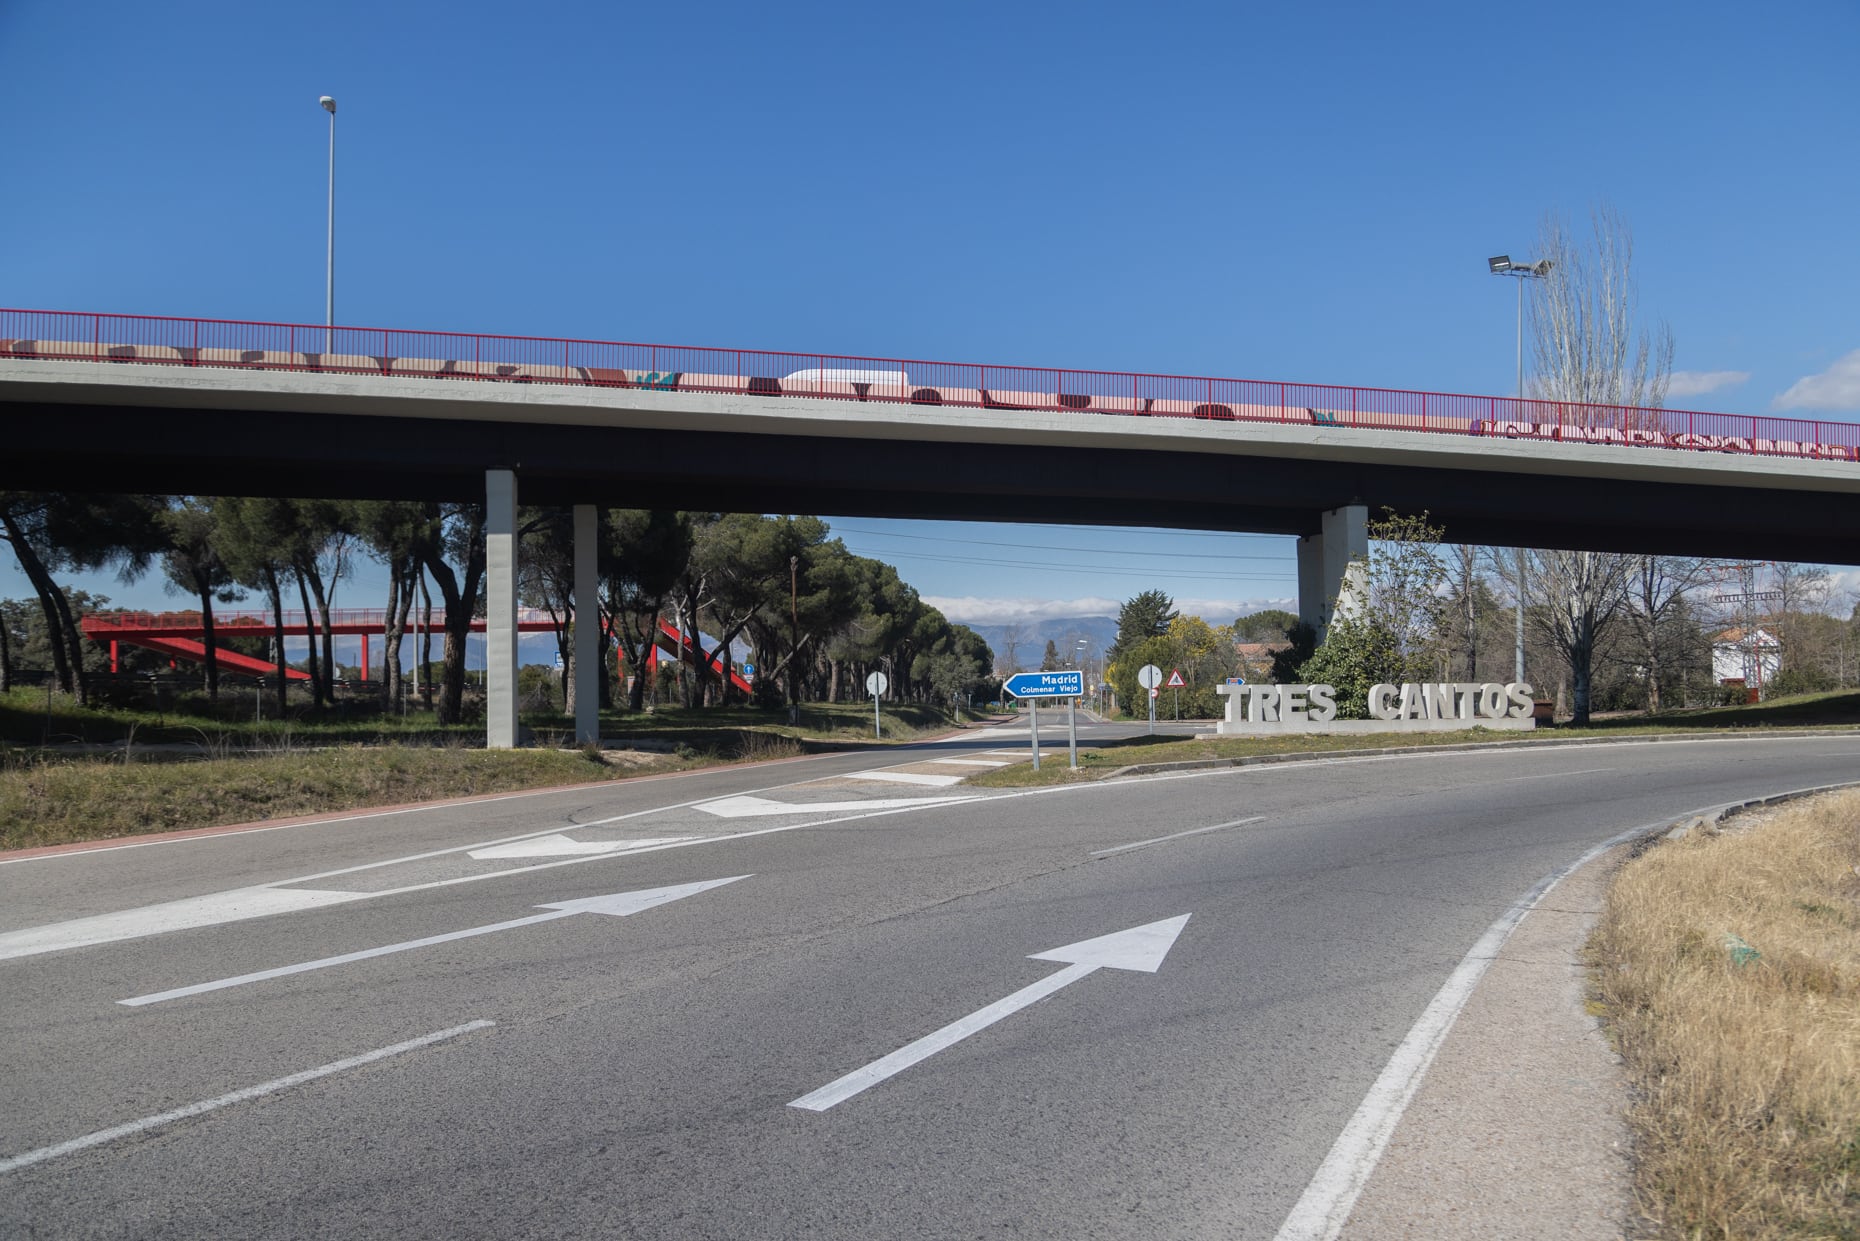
(527, 359)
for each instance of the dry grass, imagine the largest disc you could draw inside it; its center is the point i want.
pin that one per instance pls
(1748, 1074)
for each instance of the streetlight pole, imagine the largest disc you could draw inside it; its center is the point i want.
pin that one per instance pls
(1501, 265)
(329, 268)
(794, 639)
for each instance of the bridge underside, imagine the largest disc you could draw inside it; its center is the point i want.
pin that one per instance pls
(898, 469)
(56, 446)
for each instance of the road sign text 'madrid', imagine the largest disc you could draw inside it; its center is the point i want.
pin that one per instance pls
(1431, 706)
(1046, 685)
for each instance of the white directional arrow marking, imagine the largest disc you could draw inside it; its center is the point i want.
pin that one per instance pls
(619, 904)
(1139, 948)
(565, 846)
(742, 807)
(903, 777)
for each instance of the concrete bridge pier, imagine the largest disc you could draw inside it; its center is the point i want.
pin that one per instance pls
(587, 628)
(1326, 586)
(500, 627)
(500, 615)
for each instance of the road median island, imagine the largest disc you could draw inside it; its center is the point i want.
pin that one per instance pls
(1146, 756)
(180, 778)
(1726, 968)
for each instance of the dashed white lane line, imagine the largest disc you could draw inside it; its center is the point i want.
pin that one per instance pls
(43, 1153)
(1193, 831)
(903, 777)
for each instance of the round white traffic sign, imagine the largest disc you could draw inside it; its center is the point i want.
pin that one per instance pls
(876, 684)
(1149, 676)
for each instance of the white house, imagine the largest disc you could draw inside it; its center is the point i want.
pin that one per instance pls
(1753, 660)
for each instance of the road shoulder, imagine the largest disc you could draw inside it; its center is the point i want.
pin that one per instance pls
(1519, 1128)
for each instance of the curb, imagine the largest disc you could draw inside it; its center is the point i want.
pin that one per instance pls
(1468, 1159)
(1255, 760)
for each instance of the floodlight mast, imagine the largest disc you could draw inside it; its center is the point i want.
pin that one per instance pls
(328, 104)
(1501, 265)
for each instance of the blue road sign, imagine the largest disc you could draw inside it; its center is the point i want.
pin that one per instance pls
(1046, 685)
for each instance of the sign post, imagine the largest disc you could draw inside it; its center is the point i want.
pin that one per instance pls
(875, 685)
(1149, 676)
(1034, 686)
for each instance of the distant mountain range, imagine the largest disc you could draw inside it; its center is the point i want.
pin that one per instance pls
(1030, 639)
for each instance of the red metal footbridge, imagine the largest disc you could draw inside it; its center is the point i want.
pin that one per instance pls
(473, 358)
(181, 635)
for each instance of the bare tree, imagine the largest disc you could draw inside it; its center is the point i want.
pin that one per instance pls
(1591, 355)
(1013, 636)
(1464, 566)
(1657, 587)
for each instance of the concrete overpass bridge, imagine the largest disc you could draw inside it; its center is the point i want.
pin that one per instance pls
(131, 403)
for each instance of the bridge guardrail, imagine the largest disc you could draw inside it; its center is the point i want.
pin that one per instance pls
(395, 352)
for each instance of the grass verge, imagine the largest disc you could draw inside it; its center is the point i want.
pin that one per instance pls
(1727, 966)
(63, 801)
(172, 777)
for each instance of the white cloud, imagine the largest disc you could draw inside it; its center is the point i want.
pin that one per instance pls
(1698, 383)
(969, 610)
(1223, 611)
(1837, 388)
(1843, 584)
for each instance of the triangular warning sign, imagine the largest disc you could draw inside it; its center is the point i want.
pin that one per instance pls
(1175, 680)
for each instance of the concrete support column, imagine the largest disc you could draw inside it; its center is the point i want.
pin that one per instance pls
(1328, 586)
(500, 620)
(1346, 542)
(1311, 581)
(587, 629)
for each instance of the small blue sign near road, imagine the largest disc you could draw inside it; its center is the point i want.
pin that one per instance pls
(1046, 685)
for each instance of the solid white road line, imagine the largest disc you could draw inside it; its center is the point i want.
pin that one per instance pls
(195, 911)
(1193, 831)
(619, 904)
(967, 762)
(44, 1153)
(741, 807)
(565, 846)
(302, 967)
(1325, 1206)
(904, 777)
(1556, 775)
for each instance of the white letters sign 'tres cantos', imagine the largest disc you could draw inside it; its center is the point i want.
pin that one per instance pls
(1426, 706)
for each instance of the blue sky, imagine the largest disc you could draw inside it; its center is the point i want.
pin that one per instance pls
(1306, 193)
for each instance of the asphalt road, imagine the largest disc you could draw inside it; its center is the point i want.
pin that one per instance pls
(598, 1075)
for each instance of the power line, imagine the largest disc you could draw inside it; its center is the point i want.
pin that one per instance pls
(1135, 570)
(929, 538)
